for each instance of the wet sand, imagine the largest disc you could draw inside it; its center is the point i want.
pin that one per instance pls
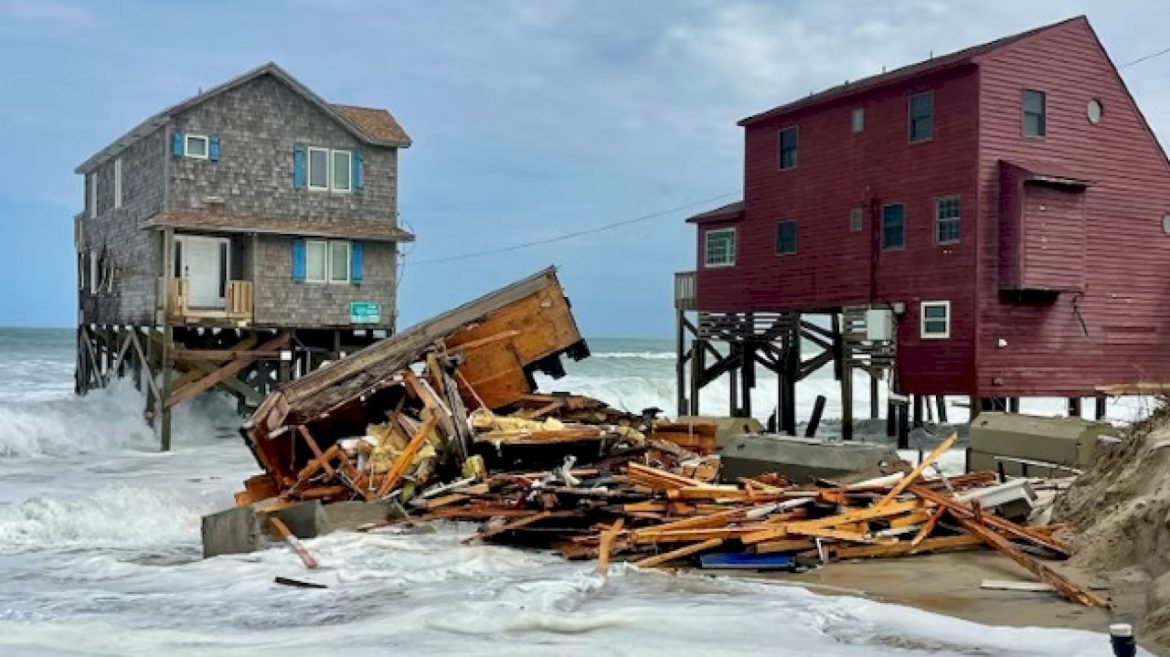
(950, 584)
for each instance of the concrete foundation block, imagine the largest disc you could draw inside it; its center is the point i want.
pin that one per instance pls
(234, 531)
(304, 519)
(347, 516)
(802, 459)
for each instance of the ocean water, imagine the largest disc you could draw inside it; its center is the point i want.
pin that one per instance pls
(100, 555)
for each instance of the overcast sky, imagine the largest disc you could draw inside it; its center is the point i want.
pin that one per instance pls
(530, 118)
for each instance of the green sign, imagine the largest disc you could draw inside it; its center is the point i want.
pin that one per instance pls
(365, 312)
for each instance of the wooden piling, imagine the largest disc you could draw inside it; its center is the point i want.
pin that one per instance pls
(814, 422)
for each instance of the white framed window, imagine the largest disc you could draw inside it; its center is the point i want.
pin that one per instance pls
(118, 183)
(319, 168)
(327, 261)
(93, 272)
(947, 218)
(330, 170)
(91, 195)
(935, 320)
(195, 146)
(719, 247)
(858, 122)
(342, 163)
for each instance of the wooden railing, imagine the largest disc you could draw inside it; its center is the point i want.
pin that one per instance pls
(239, 299)
(684, 290)
(238, 303)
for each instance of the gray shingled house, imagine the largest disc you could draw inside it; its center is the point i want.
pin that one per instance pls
(255, 209)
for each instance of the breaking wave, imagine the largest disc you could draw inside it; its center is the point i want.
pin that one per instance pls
(112, 517)
(105, 419)
(635, 355)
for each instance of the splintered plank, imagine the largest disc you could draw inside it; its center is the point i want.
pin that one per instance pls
(927, 461)
(607, 538)
(819, 526)
(784, 545)
(667, 557)
(962, 510)
(285, 533)
(928, 526)
(519, 523)
(1041, 571)
(398, 470)
(905, 548)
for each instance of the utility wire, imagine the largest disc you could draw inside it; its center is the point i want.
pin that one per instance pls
(572, 235)
(1152, 55)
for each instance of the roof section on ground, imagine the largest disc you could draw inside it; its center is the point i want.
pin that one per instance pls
(375, 126)
(225, 222)
(934, 64)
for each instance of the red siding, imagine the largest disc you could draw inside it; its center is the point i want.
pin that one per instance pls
(837, 171)
(1118, 329)
(1054, 238)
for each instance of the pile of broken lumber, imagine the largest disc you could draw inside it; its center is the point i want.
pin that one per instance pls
(657, 505)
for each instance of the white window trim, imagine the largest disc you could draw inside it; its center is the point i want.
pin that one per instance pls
(328, 274)
(938, 219)
(329, 155)
(187, 146)
(348, 167)
(707, 264)
(922, 332)
(118, 183)
(91, 192)
(348, 262)
(309, 169)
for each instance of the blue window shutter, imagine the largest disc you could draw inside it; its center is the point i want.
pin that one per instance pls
(357, 171)
(213, 149)
(298, 260)
(298, 167)
(355, 263)
(177, 144)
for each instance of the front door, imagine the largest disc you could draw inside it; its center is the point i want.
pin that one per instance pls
(203, 261)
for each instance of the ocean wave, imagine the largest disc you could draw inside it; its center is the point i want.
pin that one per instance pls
(112, 517)
(635, 355)
(105, 419)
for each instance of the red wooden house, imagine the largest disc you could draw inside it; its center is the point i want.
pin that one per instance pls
(1008, 202)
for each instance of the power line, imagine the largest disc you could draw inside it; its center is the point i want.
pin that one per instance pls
(575, 234)
(1152, 55)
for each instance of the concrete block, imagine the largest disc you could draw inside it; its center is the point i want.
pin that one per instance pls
(347, 516)
(304, 519)
(234, 531)
(802, 459)
(1066, 441)
(727, 426)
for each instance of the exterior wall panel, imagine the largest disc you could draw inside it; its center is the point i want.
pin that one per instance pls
(1118, 329)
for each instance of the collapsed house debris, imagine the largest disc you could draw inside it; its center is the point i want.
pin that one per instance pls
(444, 421)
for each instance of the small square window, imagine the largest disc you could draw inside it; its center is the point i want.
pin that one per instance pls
(195, 146)
(856, 220)
(339, 262)
(788, 139)
(947, 220)
(893, 226)
(786, 238)
(935, 320)
(922, 117)
(719, 248)
(858, 120)
(1035, 119)
(316, 257)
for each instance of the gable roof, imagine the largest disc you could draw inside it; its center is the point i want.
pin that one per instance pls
(932, 65)
(730, 212)
(372, 126)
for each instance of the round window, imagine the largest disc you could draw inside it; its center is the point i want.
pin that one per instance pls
(1094, 111)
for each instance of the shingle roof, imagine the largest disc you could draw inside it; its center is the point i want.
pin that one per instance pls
(372, 129)
(934, 64)
(375, 122)
(225, 222)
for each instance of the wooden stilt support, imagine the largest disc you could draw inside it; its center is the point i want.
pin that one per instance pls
(918, 404)
(941, 402)
(813, 422)
(734, 351)
(1074, 407)
(680, 362)
(1099, 407)
(1013, 405)
(747, 372)
(698, 360)
(903, 426)
(874, 411)
(891, 419)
